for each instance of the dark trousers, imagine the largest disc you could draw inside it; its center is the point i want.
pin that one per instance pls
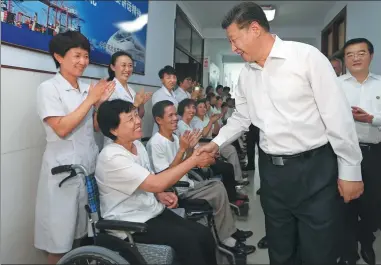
(367, 207)
(302, 207)
(227, 172)
(193, 243)
(252, 138)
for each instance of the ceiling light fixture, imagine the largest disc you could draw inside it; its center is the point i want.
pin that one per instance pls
(269, 12)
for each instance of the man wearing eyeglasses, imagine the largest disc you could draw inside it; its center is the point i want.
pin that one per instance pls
(363, 91)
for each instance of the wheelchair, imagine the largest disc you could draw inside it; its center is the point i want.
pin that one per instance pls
(108, 249)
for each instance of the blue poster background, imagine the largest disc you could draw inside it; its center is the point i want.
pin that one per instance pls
(32, 24)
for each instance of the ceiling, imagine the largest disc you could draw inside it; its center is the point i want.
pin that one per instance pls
(209, 14)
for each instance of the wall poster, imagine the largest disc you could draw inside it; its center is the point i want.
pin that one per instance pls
(110, 26)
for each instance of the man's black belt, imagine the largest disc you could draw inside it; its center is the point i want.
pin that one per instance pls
(281, 160)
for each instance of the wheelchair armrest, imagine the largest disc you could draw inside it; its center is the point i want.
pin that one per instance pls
(181, 184)
(121, 225)
(196, 207)
(205, 140)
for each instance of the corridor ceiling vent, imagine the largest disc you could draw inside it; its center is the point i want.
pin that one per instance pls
(269, 11)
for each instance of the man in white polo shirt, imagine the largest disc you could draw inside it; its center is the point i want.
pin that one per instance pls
(166, 150)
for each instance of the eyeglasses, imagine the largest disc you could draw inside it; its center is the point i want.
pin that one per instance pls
(353, 55)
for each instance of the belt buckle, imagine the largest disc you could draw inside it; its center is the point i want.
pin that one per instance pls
(277, 160)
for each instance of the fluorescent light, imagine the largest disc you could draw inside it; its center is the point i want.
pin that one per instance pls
(135, 25)
(269, 12)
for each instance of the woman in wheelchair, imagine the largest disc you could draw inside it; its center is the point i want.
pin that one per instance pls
(66, 109)
(130, 192)
(187, 111)
(166, 150)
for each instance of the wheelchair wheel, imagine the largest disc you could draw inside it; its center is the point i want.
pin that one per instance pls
(92, 255)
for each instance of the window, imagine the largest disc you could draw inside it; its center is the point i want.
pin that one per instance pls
(333, 36)
(189, 48)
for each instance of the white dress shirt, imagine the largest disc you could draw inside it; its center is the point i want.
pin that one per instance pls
(297, 103)
(162, 94)
(368, 97)
(181, 94)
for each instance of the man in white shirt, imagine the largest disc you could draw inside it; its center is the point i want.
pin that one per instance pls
(166, 150)
(184, 89)
(168, 78)
(363, 91)
(290, 92)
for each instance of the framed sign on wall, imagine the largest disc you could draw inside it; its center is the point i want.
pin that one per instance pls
(110, 26)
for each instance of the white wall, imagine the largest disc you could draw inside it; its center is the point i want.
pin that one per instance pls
(363, 21)
(23, 139)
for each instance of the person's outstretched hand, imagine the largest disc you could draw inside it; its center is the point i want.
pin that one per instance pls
(211, 148)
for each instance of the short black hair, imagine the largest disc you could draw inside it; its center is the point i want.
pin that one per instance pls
(244, 14)
(210, 96)
(169, 70)
(208, 89)
(219, 86)
(185, 103)
(181, 78)
(357, 41)
(114, 57)
(108, 115)
(63, 42)
(226, 88)
(159, 108)
(225, 104)
(201, 101)
(218, 98)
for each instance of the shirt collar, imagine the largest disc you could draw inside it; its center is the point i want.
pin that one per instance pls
(166, 91)
(348, 76)
(83, 88)
(277, 51)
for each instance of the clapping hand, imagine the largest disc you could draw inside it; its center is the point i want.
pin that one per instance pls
(194, 138)
(142, 97)
(101, 91)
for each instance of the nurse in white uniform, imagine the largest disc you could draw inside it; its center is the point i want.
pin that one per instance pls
(120, 70)
(66, 108)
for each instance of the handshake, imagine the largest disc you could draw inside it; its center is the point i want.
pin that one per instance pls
(205, 155)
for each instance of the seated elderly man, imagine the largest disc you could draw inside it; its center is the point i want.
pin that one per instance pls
(129, 191)
(166, 150)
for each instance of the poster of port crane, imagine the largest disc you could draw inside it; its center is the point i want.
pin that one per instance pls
(109, 25)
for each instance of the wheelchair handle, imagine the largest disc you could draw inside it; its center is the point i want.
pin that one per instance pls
(68, 168)
(61, 169)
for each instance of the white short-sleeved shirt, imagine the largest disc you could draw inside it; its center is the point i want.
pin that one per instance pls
(162, 94)
(120, 93)
(119, 174)
(182, 127)
(181, 94)
(197, 123)
(162, 152)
